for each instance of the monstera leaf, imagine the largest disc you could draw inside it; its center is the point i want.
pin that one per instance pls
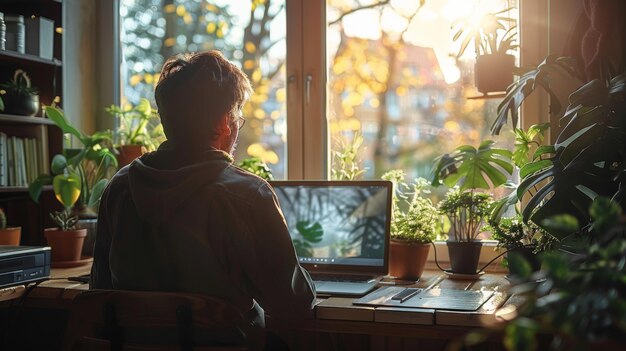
(543, 75)
(472, 168)
(311, 233)
(589, 155)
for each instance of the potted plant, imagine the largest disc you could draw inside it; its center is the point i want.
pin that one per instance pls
(493, 36)
(93, 163)
(465, 171)
(512, 233)
(257, 167)
(10, 235)
(138, 130)
(412, 229)
(66, 241)
(20, 98)
(524, 239)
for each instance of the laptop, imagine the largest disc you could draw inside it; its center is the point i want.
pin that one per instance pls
(340, 230)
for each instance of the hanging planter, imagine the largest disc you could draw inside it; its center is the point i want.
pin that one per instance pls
(493, 36)
(493, 72)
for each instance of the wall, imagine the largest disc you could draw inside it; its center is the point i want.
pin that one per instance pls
(90, 62)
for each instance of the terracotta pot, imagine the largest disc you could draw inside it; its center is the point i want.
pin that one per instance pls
(407, 260)
(493, 73)
(10, 236)
(66, 245)
(464, 256)
(127, 153)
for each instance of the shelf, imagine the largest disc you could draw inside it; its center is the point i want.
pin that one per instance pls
(18, 58)
(487, 96)
(21, 189)
(13, 119)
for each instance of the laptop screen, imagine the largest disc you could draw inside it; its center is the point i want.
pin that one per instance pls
(338, 226)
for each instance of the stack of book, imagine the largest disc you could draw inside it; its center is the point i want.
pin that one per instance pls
(20, 160)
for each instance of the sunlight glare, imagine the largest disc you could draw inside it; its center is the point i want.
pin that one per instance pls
(455, 9)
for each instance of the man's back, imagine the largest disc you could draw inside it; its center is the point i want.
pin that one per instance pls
(204, 227)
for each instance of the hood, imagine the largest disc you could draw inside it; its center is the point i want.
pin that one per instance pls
(160, 181)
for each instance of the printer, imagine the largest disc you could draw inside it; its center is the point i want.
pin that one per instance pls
(23, 264)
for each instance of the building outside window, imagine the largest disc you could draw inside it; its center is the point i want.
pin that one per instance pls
(250, 33)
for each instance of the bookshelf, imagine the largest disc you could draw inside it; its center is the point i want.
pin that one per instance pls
(40, 138)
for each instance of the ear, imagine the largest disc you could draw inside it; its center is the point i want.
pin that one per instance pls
(223, 126)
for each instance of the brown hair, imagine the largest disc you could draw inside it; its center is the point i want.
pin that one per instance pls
(194, 91)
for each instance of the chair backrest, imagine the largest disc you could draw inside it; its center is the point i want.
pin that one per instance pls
(141, 320)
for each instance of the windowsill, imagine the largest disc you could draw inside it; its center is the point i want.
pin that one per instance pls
(488, 252)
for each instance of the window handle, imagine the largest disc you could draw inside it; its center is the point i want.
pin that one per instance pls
(307, 88)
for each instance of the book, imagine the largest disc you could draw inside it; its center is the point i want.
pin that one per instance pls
(3, 159)
(11, 161)
(27, 160)
(20, 163)
(37, 158)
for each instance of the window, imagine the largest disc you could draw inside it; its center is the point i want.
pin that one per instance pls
(395, 80)
(387, 74)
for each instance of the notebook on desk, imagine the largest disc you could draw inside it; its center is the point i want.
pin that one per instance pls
(340, 230)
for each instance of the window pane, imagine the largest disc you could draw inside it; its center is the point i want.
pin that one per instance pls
(394, 79)
(246, 32)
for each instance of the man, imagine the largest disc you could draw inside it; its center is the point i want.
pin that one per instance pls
(183, 218)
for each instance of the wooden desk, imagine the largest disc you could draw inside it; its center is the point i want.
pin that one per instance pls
(338, 324)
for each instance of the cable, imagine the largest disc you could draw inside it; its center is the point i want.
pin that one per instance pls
(480, 270)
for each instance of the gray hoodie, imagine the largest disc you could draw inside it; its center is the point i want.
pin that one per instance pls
(203, 226)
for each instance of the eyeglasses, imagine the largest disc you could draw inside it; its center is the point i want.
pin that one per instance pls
(240, 121)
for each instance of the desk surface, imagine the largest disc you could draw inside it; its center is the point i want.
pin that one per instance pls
(337, 321)
(58, 292)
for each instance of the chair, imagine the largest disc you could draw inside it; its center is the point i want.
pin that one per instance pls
(139, 320)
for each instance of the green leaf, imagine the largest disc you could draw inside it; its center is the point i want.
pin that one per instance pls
(96, 193)
(144, 107)
(57, 116)
(537, 130)
(561, 225)
(527, 83)
(67, 188)
(1, 104)
(604, 213)
(533, 167)
(310, 232)
(518, 265)
(502, 205)
(543, 150)
(58, 164)
(472, 168)
(36, 186)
